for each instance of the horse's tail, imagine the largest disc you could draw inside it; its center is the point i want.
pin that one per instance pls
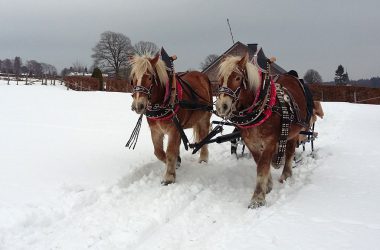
(318, 109)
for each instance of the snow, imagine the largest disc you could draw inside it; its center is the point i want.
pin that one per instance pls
(68, 182)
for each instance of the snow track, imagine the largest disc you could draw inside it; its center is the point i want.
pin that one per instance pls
(69, 183)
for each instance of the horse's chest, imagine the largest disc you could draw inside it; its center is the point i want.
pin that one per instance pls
(258, 137)
(161, 126)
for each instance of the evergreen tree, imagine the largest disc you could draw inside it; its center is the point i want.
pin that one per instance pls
(97, 73)
(341, 78)
(17, 65)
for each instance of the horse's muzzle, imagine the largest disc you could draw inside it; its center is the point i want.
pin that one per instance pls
(223, 108)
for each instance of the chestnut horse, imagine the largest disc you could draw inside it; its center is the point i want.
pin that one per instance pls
(150, 79)
(239, 82)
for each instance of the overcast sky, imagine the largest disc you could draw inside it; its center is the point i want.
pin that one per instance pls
(302, 34)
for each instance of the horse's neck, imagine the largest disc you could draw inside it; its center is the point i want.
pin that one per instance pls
(246, 99)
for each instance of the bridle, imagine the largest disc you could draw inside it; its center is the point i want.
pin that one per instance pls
(235, 95)
(146, 90)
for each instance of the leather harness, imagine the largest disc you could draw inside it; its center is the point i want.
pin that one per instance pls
(271, 97)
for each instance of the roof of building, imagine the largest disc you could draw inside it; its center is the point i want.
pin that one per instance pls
(251, 48)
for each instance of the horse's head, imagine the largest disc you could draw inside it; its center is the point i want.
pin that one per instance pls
(236, 75)
(147, 73)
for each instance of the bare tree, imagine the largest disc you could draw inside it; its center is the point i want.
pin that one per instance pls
(78, 67)
(312, 76)
(65, 72)
(24, 69)
(112, 51)
(145, 47)
(7, 66)
(208, 60)
(35, 68)
(48, 69)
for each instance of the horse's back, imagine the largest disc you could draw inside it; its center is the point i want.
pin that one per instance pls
(200, 83)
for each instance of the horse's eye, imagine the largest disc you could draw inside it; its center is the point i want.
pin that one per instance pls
(150, 78)
(238, 78)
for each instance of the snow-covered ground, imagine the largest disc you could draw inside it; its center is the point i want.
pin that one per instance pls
(68, 182)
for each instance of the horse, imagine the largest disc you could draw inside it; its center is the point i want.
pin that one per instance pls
(239, 84)
(151, 86)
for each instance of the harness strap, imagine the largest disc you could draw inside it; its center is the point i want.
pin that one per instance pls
(181, 132)
(285, 125)
(135, 134)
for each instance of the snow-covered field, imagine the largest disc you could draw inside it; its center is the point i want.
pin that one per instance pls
(68, 182)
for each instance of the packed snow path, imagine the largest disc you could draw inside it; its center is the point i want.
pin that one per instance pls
(68, 182)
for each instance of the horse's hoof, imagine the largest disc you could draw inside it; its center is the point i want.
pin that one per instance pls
(202, 161)
(284, 177)
(165, 183)
(256, 204)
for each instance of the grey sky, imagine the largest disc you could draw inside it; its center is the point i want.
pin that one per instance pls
(302, 34)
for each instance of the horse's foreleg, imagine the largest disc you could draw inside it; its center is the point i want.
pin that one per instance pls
(201, 131)
(158, 139)
(289, 155)
(264, 178)
(172, 153)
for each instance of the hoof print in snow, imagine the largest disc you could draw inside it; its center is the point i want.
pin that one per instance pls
(256, 204)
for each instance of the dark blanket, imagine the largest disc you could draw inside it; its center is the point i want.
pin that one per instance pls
(308, 95)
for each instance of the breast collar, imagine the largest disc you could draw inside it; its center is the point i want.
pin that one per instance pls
(165, 110)
(260, 110)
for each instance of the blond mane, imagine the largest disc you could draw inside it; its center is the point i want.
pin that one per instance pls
(141, 65)
(229, 65)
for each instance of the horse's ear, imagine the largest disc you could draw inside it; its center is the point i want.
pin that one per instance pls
(243, 61)
(154, 60)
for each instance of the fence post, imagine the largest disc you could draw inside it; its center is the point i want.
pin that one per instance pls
(355, 100)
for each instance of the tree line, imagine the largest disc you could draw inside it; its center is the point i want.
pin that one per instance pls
(112, 54)
(31, 67)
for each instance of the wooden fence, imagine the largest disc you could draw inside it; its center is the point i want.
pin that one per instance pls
(87, 83)
(353, 94)
(325, 93)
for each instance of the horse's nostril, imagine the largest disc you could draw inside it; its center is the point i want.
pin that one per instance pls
(224, 106)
